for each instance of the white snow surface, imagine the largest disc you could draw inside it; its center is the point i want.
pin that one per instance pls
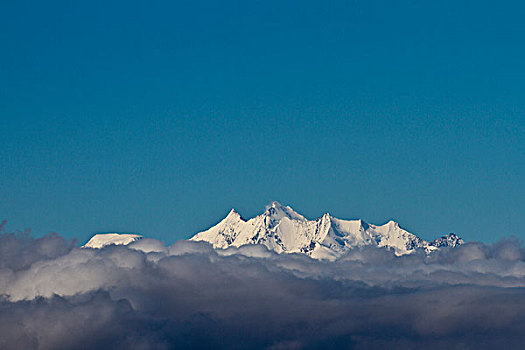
(282, 229)
(103, 239)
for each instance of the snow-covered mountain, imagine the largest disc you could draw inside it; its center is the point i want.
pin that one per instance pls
(103, 239)
(450, 240)
(282, 229)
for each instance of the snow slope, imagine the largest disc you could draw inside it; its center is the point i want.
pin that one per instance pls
(103, 239)
(282, 229)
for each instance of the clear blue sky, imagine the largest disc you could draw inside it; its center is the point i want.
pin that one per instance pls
(158, 118)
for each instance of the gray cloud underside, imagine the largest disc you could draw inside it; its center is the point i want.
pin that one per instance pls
(146, 295)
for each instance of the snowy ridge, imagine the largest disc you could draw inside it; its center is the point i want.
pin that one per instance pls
(103, 239)
(282, 229)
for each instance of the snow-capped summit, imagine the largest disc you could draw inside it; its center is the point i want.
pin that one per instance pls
(450, 240)
(277, 211)
(232, 215)
(103, 239)
(282, 229)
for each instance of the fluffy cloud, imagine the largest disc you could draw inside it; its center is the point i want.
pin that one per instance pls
(147, 295)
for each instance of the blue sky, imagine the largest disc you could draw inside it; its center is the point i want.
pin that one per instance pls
(158, 118)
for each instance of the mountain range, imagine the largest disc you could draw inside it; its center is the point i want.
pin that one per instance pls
(283, 230)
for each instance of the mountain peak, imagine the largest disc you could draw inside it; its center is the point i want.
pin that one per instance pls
(275, 204)
(277, 211)
(392, 223)
(233, 212)
(103, 239)
(450, 240)
(232, 216)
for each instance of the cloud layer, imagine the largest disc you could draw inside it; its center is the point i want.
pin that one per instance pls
(189, 296)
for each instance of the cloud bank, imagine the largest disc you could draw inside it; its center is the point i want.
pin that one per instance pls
(189, 296)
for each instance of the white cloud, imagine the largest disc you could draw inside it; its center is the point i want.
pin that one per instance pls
(191, 296)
